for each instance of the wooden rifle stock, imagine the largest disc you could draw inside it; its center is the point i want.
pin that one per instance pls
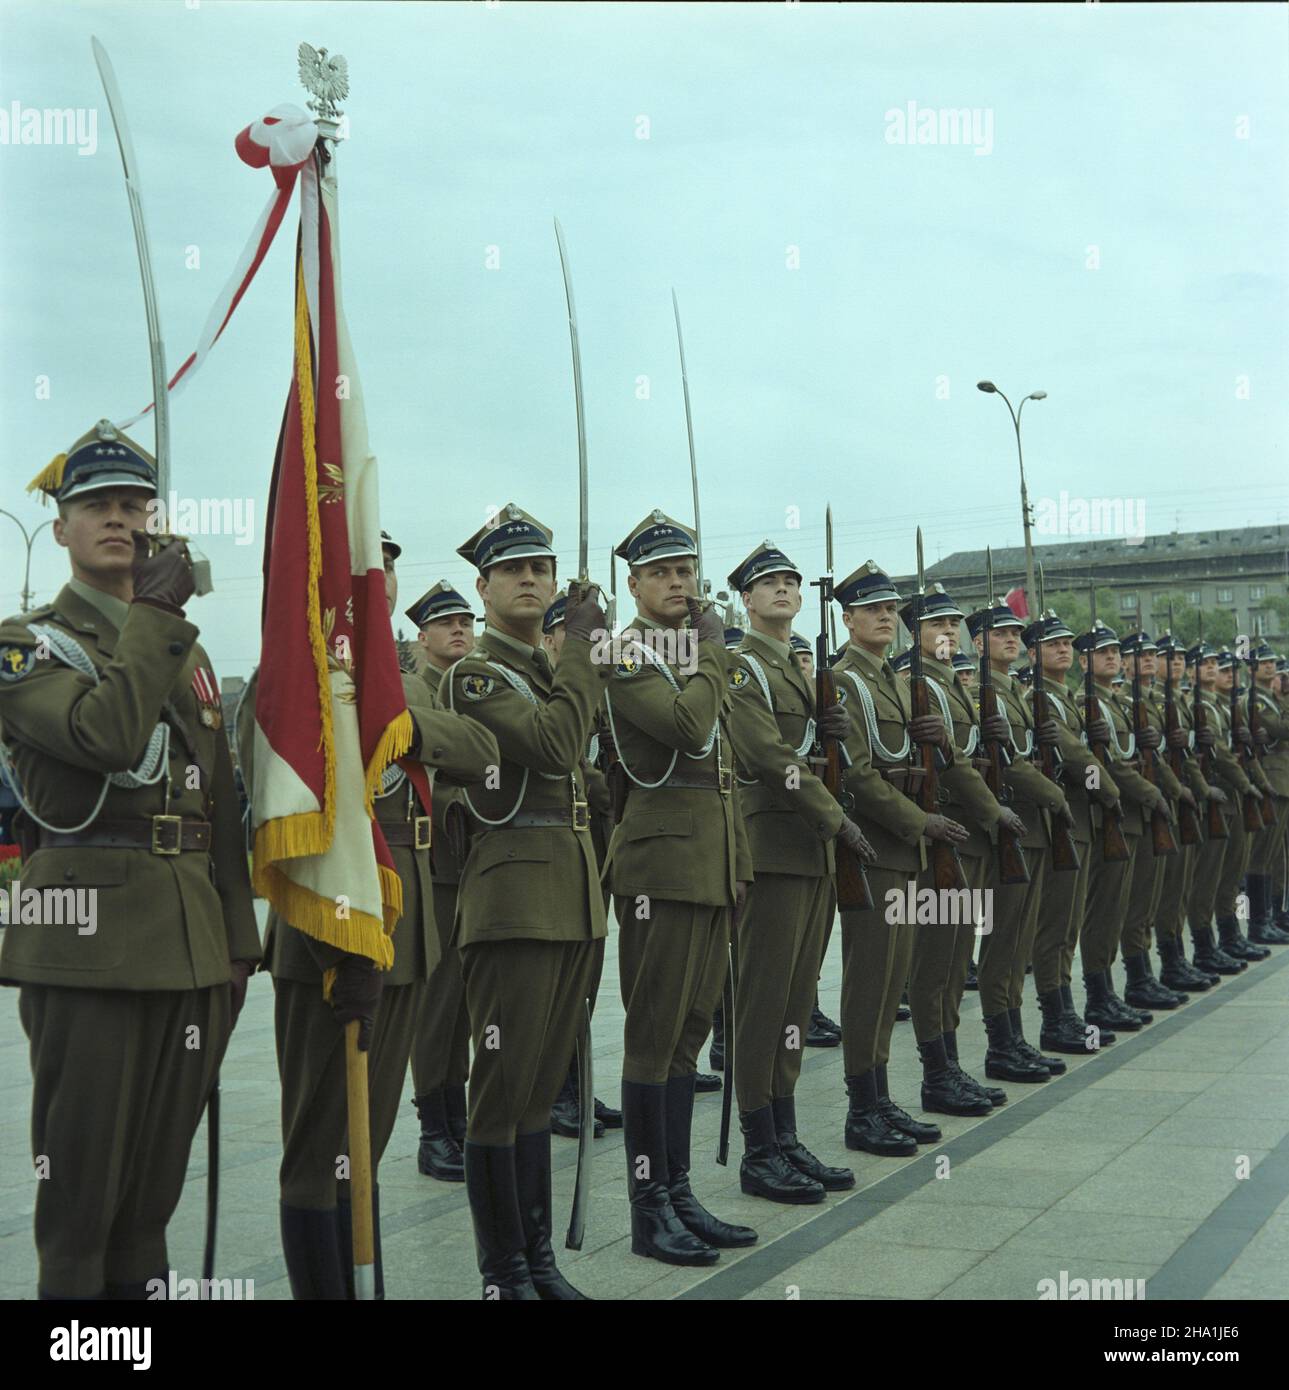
(1012, 867)
(1266, 806)
(946, 867)
(1161, 833)
(1215, 820)
(1065, 853)
(1254, 813)
(1187, 816)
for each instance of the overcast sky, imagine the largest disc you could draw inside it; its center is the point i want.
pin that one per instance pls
(1119, 241)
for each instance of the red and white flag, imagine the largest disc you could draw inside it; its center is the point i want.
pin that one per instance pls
(330, 715)
(1016, 600)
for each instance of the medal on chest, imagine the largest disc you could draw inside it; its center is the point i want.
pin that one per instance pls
(209, 708)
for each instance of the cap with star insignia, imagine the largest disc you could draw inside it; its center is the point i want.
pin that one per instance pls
(101, 458)
(867, 585)
(657, 537)
(512, 535)
(767, 558)
(442, 601)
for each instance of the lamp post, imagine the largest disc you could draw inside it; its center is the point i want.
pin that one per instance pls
(30, 541)
(1026, 516)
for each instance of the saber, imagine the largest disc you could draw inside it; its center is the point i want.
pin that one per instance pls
(582, 501)
(585, 1131)
(156, 344)
(612, 612)
(693, 461)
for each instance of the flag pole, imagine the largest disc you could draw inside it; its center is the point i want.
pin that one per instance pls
(326, 78)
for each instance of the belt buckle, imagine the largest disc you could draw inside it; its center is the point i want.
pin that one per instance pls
(725, 780)
(167, 834)
(421, 832)
(581, 815)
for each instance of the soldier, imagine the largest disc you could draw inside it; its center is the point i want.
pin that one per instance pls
(792, 822)
(875, 952)
(679, 864)
(1209, 958)
(530, 918)
(441, 1041)
(942, 950)
(1109, 879)
(805, 655)
(1263, 708)
(1005, 951)
(1064, 896)
(1176, 972)
(1149, 870)
(315, 1210)
(114, 741)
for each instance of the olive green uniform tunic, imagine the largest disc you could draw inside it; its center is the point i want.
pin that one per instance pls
(128, 1022)
(530, 918)
(1268, 845)
(875, 950)
(1005, 952)
(678, 852)
(1239, 841)
(310, 1043)
(1214, 856)
(792, 822)
(1179, 879)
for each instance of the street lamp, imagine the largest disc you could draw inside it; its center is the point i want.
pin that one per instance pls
(990, 389)
(30, 540)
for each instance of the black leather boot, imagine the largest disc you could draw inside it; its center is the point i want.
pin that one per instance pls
(942, 1090)
(785, 1131)
(1263, 928)
(566, 1113)
(314, 1256)
(764, 1172)
(1060, 1032)
(973, 981)
(438, 1155)
(606, 1116)
(1002, 1061)
(1073, 1018)
(1054, 1065)
(899, 1119)
(1211, 958)
(1103, 1009)
(454, 1106)
(995, 1095)
(533, 1188)
(1176, 972)
(656, 1231)
(706, 1081)
(1235, 943)
(822, 1031)
(902, 1012)
(491, 1184)
(868, 1129)
(716, 1054)
(1143, 991)
(1122, 1005)
(693, 1215)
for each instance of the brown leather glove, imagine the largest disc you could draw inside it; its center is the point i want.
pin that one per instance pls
(1204, 738)
(163, 580)
(834, 723)
(1099, 731)
(1009, 820)
(1177, 738)
(356, 995)
(706, 622)
(1148, 738)
(996, 729)
(929, 728)
(583, 616)
(851, 837)
(1218, 795)
(939, 827)
(1047, 733)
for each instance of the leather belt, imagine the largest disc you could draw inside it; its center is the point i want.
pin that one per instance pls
(722, 782)
(407, 834)
(577, 818)
(160, 834)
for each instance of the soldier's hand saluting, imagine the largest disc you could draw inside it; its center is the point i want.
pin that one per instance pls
(164, 580)
(583, 616)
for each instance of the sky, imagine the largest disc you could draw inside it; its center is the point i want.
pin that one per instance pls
(1110, 227)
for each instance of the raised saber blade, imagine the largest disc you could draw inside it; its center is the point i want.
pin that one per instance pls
(689, 431)
(156, 346)
(583, 534)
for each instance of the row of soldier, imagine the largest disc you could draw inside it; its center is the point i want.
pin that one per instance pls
(663, 770)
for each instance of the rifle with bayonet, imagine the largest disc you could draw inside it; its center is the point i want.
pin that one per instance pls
(1215, 820)
(1012, 867)
(853, 892)
(946, 867)
(1065, 853)
(1187, 816)
(1259, 810)
(1161, 834)
(1114, 847)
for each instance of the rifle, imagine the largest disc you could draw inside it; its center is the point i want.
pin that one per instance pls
(1258, 808)
(946, 867)
(1011, 857)
(1216, 821)
(1161, 835)
(1187, 816)
(853, 892)
(1114, 848)
(1065, 853)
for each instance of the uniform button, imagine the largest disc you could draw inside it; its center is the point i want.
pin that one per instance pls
(69, 874)
(176, 648)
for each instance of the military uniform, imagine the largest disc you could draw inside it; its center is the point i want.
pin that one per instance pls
(1006, 950)
(530, 920)
(1061, 909)
(1269, 846)
(792, 822)
(112, 723)
(675, 862)
(315, 1211)
(875, 950)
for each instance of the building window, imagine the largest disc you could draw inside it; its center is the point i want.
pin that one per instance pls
(1193, 597)
(1225, 595)
(1257, 591)
(1127, 603)
(1259, 623)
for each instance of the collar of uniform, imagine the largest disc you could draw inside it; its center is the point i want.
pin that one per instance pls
(1107, 692)
(640, 622)
(942, 670)
(532, 660)
(432, 676)
(114, 609)
(868, 663)
(510, 644)
(782, 650)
